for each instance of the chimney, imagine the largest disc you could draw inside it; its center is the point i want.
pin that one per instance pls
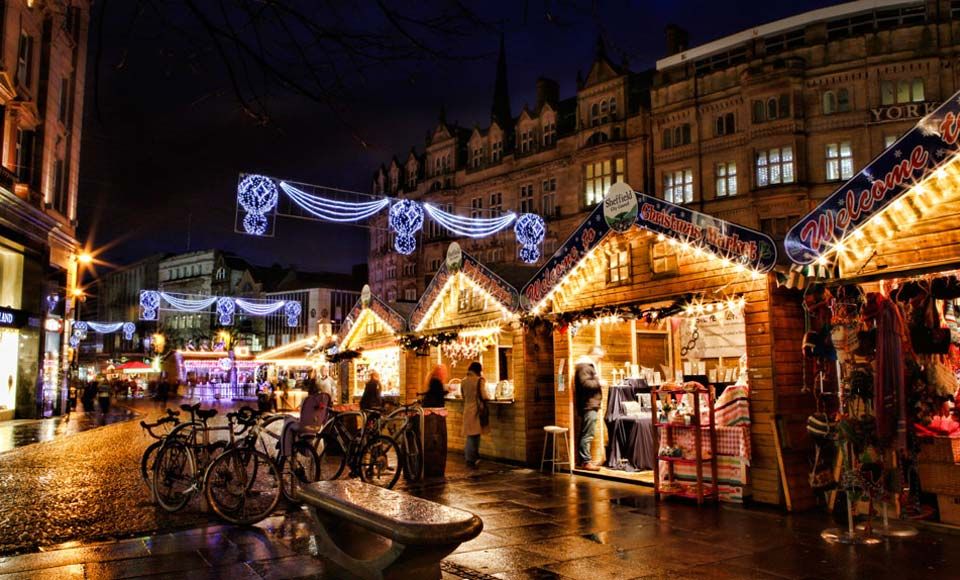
(548, 91)
(678, 40)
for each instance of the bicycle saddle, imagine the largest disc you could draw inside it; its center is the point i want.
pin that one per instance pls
(205, 414)
(190, 408)
(173, 413)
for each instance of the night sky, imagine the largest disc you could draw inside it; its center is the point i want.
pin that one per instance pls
(165, 139)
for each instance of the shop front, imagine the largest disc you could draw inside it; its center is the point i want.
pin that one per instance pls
(289, 365)
(215, 375)
(470, 312)
(664, 303)
(369, 345)
(884, 325)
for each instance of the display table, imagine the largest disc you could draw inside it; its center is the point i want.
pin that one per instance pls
(631, 447)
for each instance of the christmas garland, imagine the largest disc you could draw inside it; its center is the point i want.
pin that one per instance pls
(345, 355)
(626, 312)
(421, 341)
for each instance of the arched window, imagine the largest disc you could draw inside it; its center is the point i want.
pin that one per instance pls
(771, 109)
(604, 117)
(720, 129)
(677, 136)
(829, 103)
(758, 112)
(598, 138)
(730, 122)
(667, 138)
(613, 108)
(594, 115)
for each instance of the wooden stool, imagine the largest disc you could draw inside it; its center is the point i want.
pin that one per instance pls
(551, 433)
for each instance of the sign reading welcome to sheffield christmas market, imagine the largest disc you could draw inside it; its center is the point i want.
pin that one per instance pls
(623, 207)
(930, 144)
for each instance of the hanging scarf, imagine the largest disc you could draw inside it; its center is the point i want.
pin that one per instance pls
(889, 384)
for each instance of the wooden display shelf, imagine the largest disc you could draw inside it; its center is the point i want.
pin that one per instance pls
(702, 490)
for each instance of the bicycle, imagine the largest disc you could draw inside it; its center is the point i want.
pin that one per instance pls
(298, 466)
(184, 456)
(409, 437)
(149, 454)
(243, 484)
(372, 456)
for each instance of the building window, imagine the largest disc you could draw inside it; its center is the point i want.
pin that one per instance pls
(725, 125)
(526, 198)
(391, 296)
(829, 102)
(476, 159)
(410, 294)
(394, 181)
(391, 272)
(676, 136)
(678, 186)
(549, 205)
(409, 269)
(24, 59)
(618, 266)
(496, 204)
(64, 100)
(594, 114)
(59, 187)
(435, 264)
(24, 155)
(497, 152)
(839, 161)
(599, 176)
(726, 179)
(613, 108)
(775, 166)
(843, 100)
(902, 91)
(411, 176)
(526, 141)
(771, 109)
(549, 134)
(476, 207)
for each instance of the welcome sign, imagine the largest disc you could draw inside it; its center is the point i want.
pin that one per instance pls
(912, 158)
(738, 244)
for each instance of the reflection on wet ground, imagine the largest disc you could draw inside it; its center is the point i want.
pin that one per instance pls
(20, 432)
(536, 526)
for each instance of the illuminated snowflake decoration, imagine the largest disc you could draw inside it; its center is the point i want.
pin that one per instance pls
(128, 329)
(292, 309)
(406, 219)
(530, 229)
(149, 304)
(52, 301)
(255, 224)
(257, 195)
(226, 364)
(226, 308)
(80, 327)
(74, 341)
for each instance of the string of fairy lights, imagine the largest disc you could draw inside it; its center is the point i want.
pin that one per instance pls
(258, 196)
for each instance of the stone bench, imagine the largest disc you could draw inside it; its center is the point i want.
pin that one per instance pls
(372, 532)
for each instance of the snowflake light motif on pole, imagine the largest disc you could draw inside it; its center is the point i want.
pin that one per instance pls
(292, 309)
(530, 229)
(149, 304)
(128, 329)
(226, 308)
(74, 341)
(80, 329)
(406, 219)
(257, 195)
(52, 301)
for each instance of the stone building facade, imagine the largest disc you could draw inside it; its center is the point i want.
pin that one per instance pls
(554, 159)
(758, 126)
(43, 51)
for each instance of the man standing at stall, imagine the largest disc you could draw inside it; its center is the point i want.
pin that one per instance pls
(587, 386)
(326, 383)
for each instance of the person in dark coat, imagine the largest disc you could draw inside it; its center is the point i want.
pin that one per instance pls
(587, 386)
(88, 396)
(436, 395)
(372, 398)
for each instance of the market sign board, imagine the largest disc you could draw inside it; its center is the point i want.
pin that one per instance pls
(12, 318)
(911, 159)
(740, 245)
(460, 261)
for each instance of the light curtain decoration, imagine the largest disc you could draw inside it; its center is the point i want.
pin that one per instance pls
(152, 301)
(258, 196)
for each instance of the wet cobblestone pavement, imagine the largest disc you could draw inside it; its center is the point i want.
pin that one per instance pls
(85, 487)
(21, 432)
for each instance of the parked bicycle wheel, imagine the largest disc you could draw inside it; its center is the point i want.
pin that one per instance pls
(412, 456)
(300, 468)
(380, 462)
(331, 460)
(174, 475)
(146, 463)
(243, 486)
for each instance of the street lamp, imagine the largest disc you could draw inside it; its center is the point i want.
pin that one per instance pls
(85, 258)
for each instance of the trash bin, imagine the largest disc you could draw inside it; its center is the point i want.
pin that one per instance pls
(434, 443)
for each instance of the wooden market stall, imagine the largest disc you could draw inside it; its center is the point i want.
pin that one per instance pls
(214, 375)
(890, 242)
(371, 330)
(675, 296)
(471, 312)
(288, 366)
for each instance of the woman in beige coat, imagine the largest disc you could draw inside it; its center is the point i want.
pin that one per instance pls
(472, 389)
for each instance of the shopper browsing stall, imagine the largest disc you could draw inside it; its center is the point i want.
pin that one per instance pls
(589, 397)
(474, 404)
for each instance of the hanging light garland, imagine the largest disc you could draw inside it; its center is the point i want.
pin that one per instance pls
(258, 195)
(104, 327)
(188, 304)
(226, 306)
(530, 229)
(259, 308)
(81, 327)
(406, 219)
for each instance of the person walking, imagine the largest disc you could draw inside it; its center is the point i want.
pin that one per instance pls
(103, 397)
(589, 394)
(372, 397)
(436, 394)
(474, 413)
(88, 396)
